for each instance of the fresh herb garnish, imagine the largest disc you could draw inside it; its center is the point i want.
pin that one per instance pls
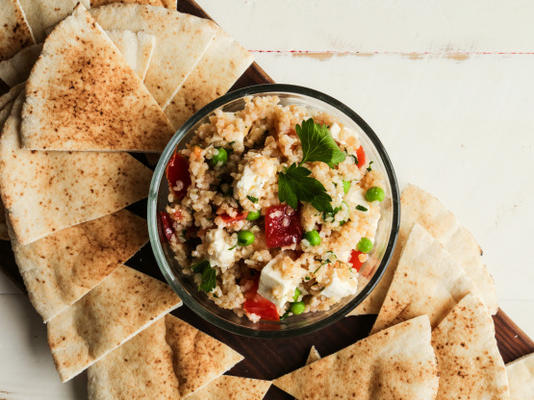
(341, 223)
(330, 215)
(295, 185)
(318, 144)
(233, 247)
(252, 199)
(370, 167)
(208, 275)
(361, 208)
(355, 159)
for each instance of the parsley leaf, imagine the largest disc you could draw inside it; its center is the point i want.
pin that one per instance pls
(295, 185)
(252, 199)
(318, 144)
(208, 275)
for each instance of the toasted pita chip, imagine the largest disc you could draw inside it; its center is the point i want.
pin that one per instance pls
(521, 378)
(171, 4)
(44, 14)
(81, 95)
(396, 363)
(61, 268)
(313, 355)
(15, 33)
(136, 47)
(17, 68)
(139, 369)
(197, 357)
(427, 281)
(418, 206)
(181, 40)
(223, 63)
(470, 365)
(126, 302)
(44, 192)
(232, 388)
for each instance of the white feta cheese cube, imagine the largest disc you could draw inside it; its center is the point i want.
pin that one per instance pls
(256, 174)
(278, 280)
(339, 288)
(219, 249)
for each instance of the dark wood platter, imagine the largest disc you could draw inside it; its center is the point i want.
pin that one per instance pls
(270, 358)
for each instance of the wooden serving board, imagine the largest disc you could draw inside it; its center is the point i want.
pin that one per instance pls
(271, 358)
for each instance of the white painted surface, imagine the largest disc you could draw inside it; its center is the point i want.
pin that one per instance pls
(463, 130)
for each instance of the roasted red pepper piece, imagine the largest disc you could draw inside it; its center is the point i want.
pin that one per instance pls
(360, 154)
(355, 260)
(259, 305)
(282, 226)
(227, 219)
(166, 225)
(178, 174)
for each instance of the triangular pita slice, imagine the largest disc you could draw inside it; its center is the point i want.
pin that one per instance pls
(313, 355)
(428, 280)
(126, 302)
(44, 14)
(229, 387)
(61, 268)
(15, 33)
(470, 366)
(396, 363)
(136, 47)
(139, 369)
(44, 192)
(171, 4)
(9, 97)
(181, 40)
(17, 68)
(418, 206)
(197, 357)
(521, 378)
(82, 95)
(223, 63)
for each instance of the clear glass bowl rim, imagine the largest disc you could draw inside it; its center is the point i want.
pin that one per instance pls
(159, 173)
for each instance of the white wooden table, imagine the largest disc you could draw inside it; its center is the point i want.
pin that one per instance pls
(449, 87)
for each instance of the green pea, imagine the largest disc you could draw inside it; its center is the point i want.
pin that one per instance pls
(346, 186)
(219, 158)
(244, 238)
(365, 245)
(297, 294)
(253, 215)
(375, 194)
(313, 237)
(298, 307)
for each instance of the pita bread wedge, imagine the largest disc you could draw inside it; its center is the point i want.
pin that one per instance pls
(61, 268)
(223, 63)
(44, 14)
(125, 303)
(521, 378)
(45, 192)
(428, 280)
(197, 357)
(15, 33)
(17, 68)
(9, 97)
(418, 206)
(170, 4)
(136, 47)
(82, 96)
(139, 369)
(181, 40)
(470, 365)
(313, 355)
(229, 387)
(396, 363)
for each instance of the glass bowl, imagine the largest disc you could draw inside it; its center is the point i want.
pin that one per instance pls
(371, 271)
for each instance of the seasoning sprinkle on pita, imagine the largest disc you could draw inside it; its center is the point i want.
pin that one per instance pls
(470, 365)
(396, 363)
(124, 304)
(61, 268)
(15, 33)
